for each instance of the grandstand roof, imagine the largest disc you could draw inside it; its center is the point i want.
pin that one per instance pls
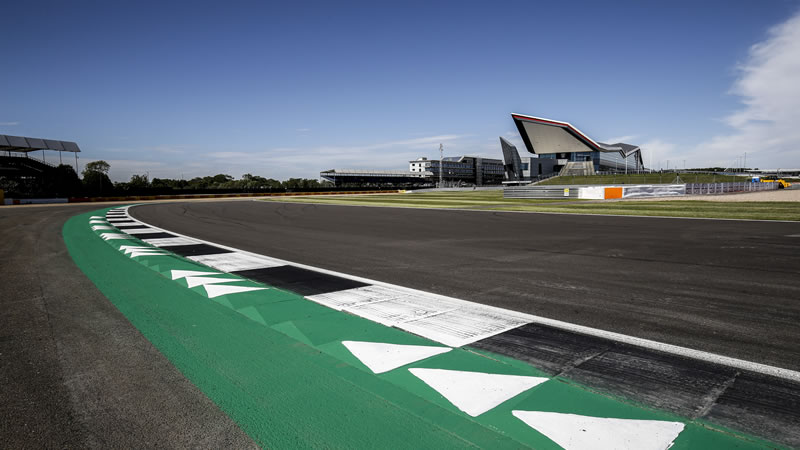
(29, 144)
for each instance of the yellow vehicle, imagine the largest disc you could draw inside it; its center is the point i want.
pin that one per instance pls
(782, 184)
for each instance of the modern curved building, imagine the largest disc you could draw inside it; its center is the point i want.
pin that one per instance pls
(571, 148)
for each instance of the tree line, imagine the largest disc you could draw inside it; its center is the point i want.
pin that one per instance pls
(94, 182)
(221, 182)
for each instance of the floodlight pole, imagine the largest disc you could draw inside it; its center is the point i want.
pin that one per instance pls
(441, 166)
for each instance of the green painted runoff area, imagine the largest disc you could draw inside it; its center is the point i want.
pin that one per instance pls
(493, 201)
(275, 363)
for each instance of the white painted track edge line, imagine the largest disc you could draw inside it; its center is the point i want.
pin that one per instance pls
(532, 212)
(581, 329)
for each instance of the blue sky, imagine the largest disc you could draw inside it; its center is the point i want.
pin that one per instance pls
(287, 89)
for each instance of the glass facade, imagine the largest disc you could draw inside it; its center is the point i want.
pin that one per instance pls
(606, 161)
(602, 161)
(466, 169)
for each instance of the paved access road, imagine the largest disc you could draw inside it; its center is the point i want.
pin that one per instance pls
(74, 373)
(727, 287)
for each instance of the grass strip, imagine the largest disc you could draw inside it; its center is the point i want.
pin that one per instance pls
(494, 200)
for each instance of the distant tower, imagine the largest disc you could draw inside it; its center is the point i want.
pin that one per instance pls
(441, 165)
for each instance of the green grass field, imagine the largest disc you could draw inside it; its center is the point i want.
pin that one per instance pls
(643, 178)
(494, 201)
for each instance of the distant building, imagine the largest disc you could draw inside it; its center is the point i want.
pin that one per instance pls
(473, 170)
(377, 178)
(524, 168)
(464, 170)
(573, 151)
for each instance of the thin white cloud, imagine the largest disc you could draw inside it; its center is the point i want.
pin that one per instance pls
(767, 125)
(225, 155)
(658, 154)
(627, 139)
(8, 124)
(168, 149)
(286, 162)
(153, 150)
(122, 169)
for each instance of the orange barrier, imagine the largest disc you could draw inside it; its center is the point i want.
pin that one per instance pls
(189, 197)
(613, 192)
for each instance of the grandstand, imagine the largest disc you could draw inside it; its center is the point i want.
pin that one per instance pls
(22, 174)
(16, 160)
(373, 178)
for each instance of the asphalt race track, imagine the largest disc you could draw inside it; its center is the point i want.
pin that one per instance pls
(74, 372)
(726, 287)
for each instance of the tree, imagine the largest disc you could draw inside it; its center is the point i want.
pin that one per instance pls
(301, 183)
(310, 183)
(95, 177)
(64, 181)
(162, 183)
(138, 181)
(250, 181)
(293, 183)
(97, 166)
(220, 179)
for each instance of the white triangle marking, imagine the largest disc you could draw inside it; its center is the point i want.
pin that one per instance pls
(202, 281)
(177, 274)
(96, 217)
(135, 254)
(574, 432)
(134, 248)
(108, 236)
(476, 392)
(102, 227)
(215, 290)
(142, 230)
(380, 357)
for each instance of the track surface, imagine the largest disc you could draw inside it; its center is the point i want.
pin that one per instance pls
(74, 373)
(728, 287)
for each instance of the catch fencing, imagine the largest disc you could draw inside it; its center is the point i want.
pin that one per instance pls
(541, 192)
(634, 190)
(724, 188)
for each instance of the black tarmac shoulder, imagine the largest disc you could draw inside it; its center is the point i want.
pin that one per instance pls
(74, 373)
